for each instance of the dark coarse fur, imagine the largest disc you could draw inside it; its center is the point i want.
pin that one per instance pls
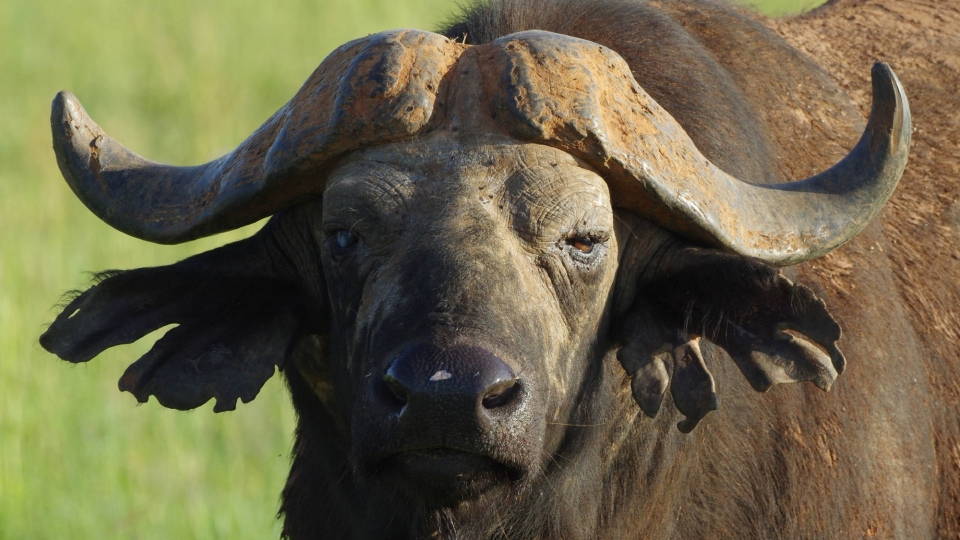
(920, 224)
(790, 463)
(617, 475)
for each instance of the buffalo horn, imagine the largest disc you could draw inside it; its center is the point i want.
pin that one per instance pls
(798, 221)
(581, 97)
(377, 89)
(540, 87)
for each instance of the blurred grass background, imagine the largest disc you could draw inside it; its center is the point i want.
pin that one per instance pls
(181, 82)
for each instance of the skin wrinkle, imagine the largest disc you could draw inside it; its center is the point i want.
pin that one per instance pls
(478, 223)
(532, 216)
(556, 215)
(379, 198)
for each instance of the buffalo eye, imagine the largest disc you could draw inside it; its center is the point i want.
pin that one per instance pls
(342, 240)
(582, 244)
(585, 248)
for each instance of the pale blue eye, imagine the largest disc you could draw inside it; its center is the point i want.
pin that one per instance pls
(345, 239)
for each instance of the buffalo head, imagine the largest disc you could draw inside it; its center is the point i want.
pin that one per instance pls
(461, 235)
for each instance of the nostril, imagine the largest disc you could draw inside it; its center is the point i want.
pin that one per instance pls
(430, 380)
(501, 394)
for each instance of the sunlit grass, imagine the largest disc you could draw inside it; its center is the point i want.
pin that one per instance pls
(182, 82)
(778, 8)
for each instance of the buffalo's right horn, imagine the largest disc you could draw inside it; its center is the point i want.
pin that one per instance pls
(373, 90)
(153, 201)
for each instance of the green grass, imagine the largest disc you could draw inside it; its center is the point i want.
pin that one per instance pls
(181, 82)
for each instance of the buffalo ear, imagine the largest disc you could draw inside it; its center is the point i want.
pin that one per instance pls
(236, 320)
(649, 348)
(776, 331)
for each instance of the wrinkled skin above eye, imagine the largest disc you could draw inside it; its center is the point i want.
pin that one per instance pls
(492, 246)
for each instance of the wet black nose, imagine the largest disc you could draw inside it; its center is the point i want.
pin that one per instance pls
(426, 381)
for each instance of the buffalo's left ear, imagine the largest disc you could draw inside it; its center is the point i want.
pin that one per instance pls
(237, 320)
(775, 330)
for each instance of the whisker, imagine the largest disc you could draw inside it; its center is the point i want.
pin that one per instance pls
(346, 469)
(395, 510)
(496, 512)
(553, 459)
(546, 477)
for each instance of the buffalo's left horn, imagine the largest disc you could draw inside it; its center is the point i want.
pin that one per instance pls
(581, 97)
(373, 90)
(798, 221)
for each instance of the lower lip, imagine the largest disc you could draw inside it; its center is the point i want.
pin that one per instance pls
(442, 473)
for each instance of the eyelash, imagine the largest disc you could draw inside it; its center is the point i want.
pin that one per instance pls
(583, 244)
(594, 242)
(342, 241)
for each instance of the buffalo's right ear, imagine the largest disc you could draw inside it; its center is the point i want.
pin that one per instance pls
(237, 319)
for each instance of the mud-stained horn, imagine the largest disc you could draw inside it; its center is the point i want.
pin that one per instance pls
(540, 87)
(601, 114)
(363, 93)
(798, 221)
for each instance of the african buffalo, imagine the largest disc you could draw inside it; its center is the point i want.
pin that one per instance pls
(505, 261)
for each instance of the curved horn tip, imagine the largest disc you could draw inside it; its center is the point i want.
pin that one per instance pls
(62, 105)
(66, 109)
(885, 81)
(64, 102)
(70, 121)
(890, 114)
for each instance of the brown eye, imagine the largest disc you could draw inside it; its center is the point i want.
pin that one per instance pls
(583, 245)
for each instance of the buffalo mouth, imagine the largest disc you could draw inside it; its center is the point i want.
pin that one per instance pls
(445, 475)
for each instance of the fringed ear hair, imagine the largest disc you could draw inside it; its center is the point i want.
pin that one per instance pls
(645, 357)
(237, 323)
(693, 390)
(775, 330)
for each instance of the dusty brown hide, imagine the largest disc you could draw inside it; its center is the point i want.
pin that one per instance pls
(921, 40)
